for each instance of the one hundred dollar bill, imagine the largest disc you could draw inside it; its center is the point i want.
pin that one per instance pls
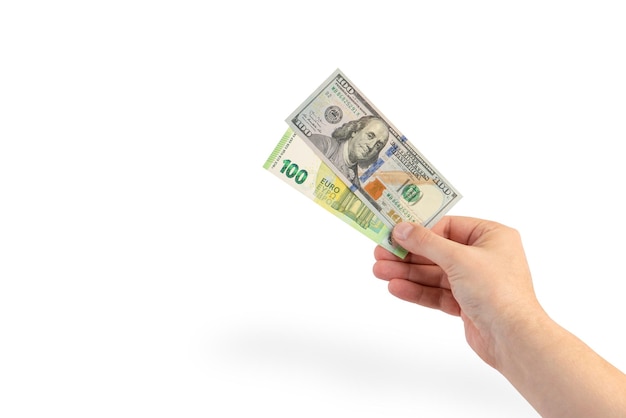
(295, 163)
(368, 153)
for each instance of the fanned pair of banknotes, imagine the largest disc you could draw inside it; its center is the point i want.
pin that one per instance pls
(344, 154)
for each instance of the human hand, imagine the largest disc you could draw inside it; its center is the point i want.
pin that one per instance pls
(470, 267)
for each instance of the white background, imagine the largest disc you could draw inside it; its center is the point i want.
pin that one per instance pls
(149, 266)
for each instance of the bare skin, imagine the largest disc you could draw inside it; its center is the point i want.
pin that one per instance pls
(477, 269)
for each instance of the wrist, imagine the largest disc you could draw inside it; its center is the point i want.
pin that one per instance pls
(519, 331)
(545, 362)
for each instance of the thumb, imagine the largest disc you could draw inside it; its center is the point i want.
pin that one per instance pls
(421, 241)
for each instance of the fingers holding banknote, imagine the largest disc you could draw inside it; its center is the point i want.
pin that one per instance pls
(462, 266)
(416, 279)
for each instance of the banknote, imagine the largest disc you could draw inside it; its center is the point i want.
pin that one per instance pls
(369, 154)
(293, 161)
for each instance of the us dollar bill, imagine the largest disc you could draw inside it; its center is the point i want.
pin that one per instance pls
(294, 162)
(370, 155)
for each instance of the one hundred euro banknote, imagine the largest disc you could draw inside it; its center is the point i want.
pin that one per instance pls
(369, 154)
(293, 161)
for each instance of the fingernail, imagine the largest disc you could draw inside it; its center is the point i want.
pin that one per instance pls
(402, 230)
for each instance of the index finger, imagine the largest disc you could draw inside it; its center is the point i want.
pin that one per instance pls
(381, 253)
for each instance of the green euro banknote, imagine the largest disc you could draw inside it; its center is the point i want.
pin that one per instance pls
(370, 155)
(296, 164)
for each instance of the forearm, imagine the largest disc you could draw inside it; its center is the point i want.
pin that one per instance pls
(559, 374)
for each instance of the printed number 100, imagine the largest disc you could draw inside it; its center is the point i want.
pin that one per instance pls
(292, 170)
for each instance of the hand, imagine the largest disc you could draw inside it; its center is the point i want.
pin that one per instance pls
(464, 266)
(477, 269)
